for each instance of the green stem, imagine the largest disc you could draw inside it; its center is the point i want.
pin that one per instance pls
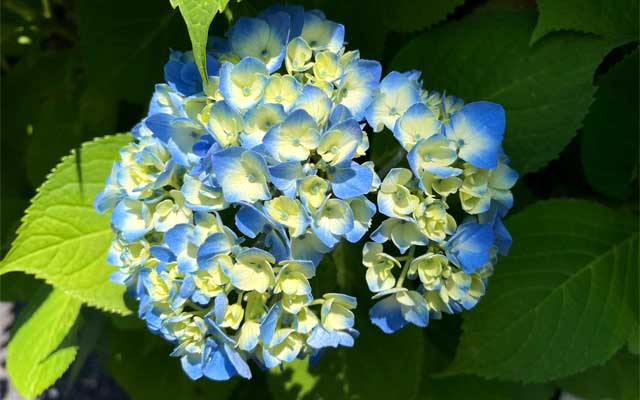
(405, 269)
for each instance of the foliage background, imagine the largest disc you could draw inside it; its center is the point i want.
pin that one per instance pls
(561, 313)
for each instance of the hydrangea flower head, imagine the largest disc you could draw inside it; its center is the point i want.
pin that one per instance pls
(444, 229)
(231, 194)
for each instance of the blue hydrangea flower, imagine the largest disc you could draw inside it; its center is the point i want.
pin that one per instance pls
(422, 261)
(231, 194)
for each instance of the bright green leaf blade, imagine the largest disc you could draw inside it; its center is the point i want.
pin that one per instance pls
(619, 378)
(379, 366)
(612, 18)
(62, 239)
(198, 15)
(611, 161)
(38, 353)
(545, 90)
(565, 298)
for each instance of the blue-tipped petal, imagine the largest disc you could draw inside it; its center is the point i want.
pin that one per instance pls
(242, 84)
(242, 174)
(478, 129)
(469, 247)
(132, 218)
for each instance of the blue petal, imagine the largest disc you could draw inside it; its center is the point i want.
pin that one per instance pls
(350, 181)
(250, 221)
(192, 365)
(132, 218)
(362, 220)
(285, 176)
(358, 87)
(386, 314)
(469, 247)
(478, 129)
(241, 366)
(219, 367)
(218, 243)
(296, 15)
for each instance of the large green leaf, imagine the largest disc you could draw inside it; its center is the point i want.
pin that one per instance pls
(198, 15)
(62, 239)
(125, 44)
(565, 298)
(43, 347)
(409, 15)
(545, 90)
(379, 366)
(613, 18)
(610, 134)
(439, 348)
(619, 378)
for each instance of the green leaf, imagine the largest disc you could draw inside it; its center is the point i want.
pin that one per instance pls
(545, 90)
(379, 366)
(438, 353)
(617, 379)
(634, 340)
(141, 364)
(565, 298)
(125, 44)
(42, 349)
(613, 18)
(409, 16)
(62, 239)
(611, 162)
(198, 15)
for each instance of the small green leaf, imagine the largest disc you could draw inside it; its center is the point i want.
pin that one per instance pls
(617, 379)
(198, 15)
(612, 18)
(565, 298)
(545, 90)
(611, 162)
(62, 239)
(40, 350)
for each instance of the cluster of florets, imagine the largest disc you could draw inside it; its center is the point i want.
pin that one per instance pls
(455, 166)
(235, 188)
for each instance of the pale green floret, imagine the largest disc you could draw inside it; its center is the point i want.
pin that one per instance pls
(171, 212)
(232, 317)
(282, 90)
(298, 56)
(442, 186)
(379, 267)
(288, 212)
(336, 313)
(434, 221)
(312, 191)
(432, 269)
(211, 281)
(327, 66)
